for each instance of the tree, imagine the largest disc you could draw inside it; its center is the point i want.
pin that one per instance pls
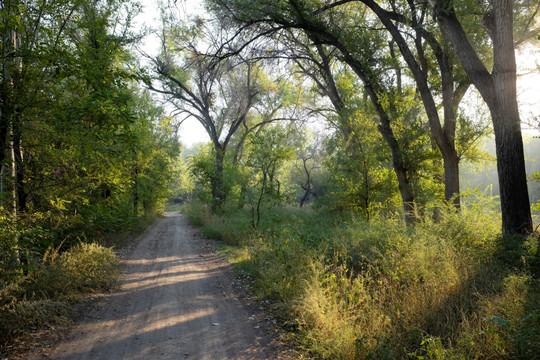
(354, 120)
(30, 33)
(309, 156)
(498, 89)
(152, 148)
(219, 91)
(200, 96)
(356, 48)
(270, 148)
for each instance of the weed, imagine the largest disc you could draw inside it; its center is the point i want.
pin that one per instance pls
(43, 298)
(379, 290)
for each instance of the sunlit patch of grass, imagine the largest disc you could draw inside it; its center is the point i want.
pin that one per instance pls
(450, 288)
(43, 298)
(241, 260)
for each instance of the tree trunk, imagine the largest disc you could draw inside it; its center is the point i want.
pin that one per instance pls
(218, 192)
(448, 149)
(307, 186)
(9, 140)
(135, 185)
(4, 125)
(451, 178)
(406, 194)
(18, 159)
(385, 129)
(499, 92)
(515, 205)
(5, 149)
(444, 141)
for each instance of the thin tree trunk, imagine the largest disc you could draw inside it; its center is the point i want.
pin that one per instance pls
(307, 186)
(218, 192)
(384, 128)
(7, 114)
(135, 187)
(18, 161)
(398, 162)
(444, 142)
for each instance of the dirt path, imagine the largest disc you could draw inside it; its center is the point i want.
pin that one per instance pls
(178, 300)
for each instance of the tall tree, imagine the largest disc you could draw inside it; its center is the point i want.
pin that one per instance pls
(199, 95)
(356, 48)
(498, 89)
(270, 148)
(320, 71)
(219, 91)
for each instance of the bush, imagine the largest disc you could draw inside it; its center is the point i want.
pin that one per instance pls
(91, 267)
(42, 298)
(445, 289)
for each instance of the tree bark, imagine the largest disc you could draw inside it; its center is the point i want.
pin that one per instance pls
(307, 186)
(21, 194)
(218, 192)
(135, 183)
(10, 68)
(443, 140)
(498, 90)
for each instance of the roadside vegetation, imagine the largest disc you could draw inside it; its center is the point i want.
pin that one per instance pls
(345, 288)
(86, 157)
(42, 298)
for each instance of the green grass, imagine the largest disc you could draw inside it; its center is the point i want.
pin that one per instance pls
(349, 289)
(43, 298)
(41, 294)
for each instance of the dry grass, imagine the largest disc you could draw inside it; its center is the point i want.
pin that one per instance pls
(451, 289)
(43, 298)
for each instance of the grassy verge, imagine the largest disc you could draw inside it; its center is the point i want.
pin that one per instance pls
(451, 289)
(42, 297)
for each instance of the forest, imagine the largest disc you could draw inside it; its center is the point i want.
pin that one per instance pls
(369, 167)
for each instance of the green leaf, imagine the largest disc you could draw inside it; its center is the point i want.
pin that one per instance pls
(498, 320)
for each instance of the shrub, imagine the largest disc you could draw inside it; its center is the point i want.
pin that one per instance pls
(446, 289)
(42, 298)
(91, 267)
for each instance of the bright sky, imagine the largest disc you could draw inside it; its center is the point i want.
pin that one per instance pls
(191, 132)
(529, 83)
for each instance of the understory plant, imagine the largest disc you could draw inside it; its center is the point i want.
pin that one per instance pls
(448, 288)
(43, 297)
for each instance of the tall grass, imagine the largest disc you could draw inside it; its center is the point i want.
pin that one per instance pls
(50, 260)
(446, 289)
(43, 297)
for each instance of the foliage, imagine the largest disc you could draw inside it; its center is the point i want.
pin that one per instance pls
(42, 298)
(97, 151)
(270, 148)
(349, 289)
(85, 153)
